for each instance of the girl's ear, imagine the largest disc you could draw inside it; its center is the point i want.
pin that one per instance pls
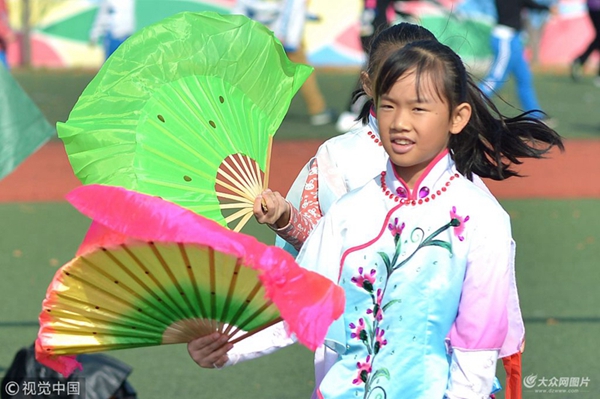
(460, 118)
(365, 80)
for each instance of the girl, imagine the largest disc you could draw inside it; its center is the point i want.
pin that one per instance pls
(342, 163)
(425, 256)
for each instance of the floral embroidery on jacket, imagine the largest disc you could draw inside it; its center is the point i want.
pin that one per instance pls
(367, 329)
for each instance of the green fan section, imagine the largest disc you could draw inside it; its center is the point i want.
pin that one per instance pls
(140, 296)
(180, 69)
(175, 164)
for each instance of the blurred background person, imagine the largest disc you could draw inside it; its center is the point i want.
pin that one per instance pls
(376, 16)
(577, 65)
(114, 23)
(509, 56)
(286, 18)
(6, 33)
(535, 23)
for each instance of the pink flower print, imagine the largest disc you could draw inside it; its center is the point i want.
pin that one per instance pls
(379, 339)
(364, 369)
(394, 228)
(358, 331)
(364, 280)
(458, 222)
(377, 308)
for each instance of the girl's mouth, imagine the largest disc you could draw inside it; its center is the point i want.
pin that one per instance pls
(402, 146)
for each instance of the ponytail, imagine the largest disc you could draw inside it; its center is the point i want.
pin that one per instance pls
(492, 143)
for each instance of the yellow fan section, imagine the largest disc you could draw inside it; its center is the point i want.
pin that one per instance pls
(143, 294)
(239, 181)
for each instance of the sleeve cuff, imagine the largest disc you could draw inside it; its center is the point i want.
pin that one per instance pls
(471, 374)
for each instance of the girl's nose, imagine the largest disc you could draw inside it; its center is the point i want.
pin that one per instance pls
(400, 122)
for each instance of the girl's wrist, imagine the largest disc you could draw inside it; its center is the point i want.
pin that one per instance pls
(284, 219)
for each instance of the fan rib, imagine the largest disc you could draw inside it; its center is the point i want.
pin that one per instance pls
(242, 308)
(251, 183)
(244, 194)
(182, 145)
(81, 349)
(243, 180)
(128, 332)
(113, 316)
(186, 331)
(174, 280)
(235, 198)
(237, 206)
(108, 293)
(174, 308)
(238, 215)
(179, 163)
(138, 280)
(242, 222)
(190, 269)
(216, 139)
(256, 330)
(213, 293)
(255, 177)
(232, 285)
(248, 319)
(268, 166)
(260, 175)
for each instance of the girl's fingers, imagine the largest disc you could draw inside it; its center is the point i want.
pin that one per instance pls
(266, 207)
(210, 350)
(263, 206)
(204, 342)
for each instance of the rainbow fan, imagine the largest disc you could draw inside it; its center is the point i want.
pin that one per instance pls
(150, 272)
(186, 109)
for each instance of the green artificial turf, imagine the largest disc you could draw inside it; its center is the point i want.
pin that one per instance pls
(573, 105)
(557, 271)
(558, 256)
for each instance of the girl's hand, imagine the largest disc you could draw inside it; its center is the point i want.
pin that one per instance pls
(210, 352)
(271, 208)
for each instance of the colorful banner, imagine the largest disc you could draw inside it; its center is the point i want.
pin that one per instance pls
(23, 127)
(60, 29)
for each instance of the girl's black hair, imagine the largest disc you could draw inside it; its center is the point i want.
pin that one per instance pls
(491, 142)
(386, 41)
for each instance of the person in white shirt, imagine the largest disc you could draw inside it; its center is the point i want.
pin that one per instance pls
(286, 18)
(453, 308)
(114, 23)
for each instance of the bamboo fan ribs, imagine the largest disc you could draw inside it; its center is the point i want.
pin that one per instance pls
(239, 181)
(195, 124)
(145, 293)
(150, 272)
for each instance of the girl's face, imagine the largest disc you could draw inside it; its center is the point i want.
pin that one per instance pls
(414, 129)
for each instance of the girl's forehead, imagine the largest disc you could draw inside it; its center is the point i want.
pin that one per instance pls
(424, 83)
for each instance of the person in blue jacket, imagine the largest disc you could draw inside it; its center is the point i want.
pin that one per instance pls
(509, 56)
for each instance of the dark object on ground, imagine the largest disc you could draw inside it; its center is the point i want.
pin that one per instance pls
(102, 377)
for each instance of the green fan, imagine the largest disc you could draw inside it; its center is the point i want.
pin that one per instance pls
(186, 109)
